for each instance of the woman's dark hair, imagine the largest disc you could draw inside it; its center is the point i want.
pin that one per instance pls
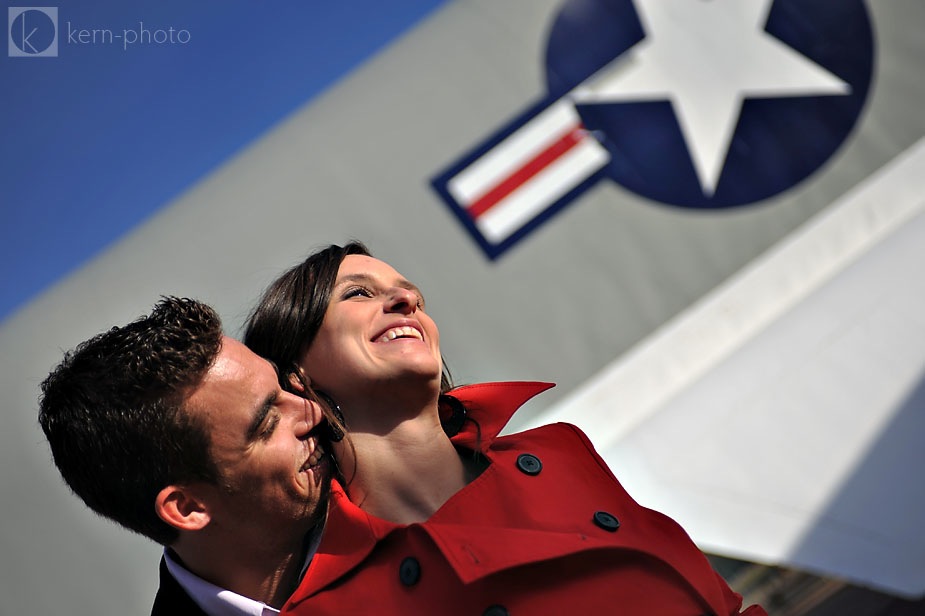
(288, 316)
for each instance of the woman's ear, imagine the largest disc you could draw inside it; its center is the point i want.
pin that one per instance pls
(182, 508)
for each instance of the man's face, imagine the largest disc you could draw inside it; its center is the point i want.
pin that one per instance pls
(273, 471)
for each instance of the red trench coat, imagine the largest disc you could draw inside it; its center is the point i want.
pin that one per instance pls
(545, 529)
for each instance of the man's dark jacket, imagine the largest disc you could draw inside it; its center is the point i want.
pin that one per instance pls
(171, 599)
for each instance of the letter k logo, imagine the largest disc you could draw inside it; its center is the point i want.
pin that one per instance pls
(33, 32)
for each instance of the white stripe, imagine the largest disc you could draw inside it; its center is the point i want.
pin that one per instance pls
(514, 152)
(636, 385)
(543, 189)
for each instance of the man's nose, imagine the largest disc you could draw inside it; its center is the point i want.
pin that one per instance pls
(304, 419)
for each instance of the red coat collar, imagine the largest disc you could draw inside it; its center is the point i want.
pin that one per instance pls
(351, 535)
(491, 405)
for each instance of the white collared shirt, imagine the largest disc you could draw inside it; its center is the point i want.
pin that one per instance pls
(217, 601)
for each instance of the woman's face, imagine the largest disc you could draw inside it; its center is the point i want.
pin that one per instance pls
(375, 331)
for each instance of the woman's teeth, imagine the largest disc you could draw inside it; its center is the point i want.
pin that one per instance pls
(400, 332)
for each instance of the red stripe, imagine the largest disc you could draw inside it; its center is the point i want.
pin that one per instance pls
(527, 171)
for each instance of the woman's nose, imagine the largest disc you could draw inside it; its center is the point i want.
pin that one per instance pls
(402, 300)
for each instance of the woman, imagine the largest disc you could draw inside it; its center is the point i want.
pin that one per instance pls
(438, 514)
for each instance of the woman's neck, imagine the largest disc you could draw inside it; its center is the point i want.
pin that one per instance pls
(405, 473)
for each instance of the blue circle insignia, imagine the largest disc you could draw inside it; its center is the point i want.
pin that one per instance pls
(700, 110)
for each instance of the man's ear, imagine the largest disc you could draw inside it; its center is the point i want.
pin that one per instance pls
(182, 507)
(299, 380)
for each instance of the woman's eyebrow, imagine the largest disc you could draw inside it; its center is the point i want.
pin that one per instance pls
(367, 279)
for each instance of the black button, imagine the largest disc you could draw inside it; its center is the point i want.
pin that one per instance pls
(529, 464)
(495, 610)
(409, 572)
(606, 521)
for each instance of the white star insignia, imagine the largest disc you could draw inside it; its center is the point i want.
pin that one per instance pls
(706, 57)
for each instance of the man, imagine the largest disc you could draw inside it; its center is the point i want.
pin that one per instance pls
(185, 436)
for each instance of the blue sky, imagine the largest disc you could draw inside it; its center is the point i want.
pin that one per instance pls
(142, 100)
